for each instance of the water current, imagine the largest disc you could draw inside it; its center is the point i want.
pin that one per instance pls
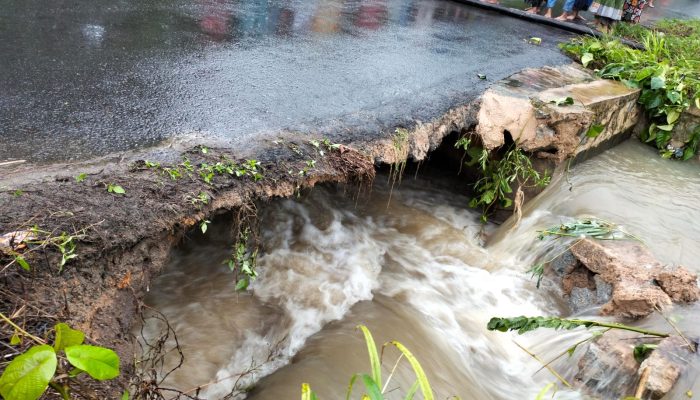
(414, 269)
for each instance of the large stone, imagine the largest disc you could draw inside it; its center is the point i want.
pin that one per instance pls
(522, 106)
(608, 367)
(665, 365)
(623, 277)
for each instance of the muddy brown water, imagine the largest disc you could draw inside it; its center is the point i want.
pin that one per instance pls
(413, 270)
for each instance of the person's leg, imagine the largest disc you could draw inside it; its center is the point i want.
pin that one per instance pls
(550, 5)
(568, 9)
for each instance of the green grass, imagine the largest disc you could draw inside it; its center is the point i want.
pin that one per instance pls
(667, 71)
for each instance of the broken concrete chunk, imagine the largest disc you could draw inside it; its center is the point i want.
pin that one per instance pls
(608, 367)
(665, 365)
(623, 277)
(680, 284)
(528, 106)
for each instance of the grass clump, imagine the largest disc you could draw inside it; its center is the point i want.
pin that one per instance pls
(667, 71)
(374, 389)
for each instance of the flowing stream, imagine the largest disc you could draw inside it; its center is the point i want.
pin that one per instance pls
(413, 269)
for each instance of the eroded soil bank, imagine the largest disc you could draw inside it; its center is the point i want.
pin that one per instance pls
(125, 213)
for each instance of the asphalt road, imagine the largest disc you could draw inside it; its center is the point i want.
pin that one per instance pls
(84, 78)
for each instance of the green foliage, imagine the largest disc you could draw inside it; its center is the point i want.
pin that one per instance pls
(204, 225)
(667, 72)
(592, 228)
(499, 175)
(528, 324)
(98, 362)
(374, 389)
(594, 131)
(243, 260)
(81, 177)
(29, 374)
(17, 193)
(66, 337)
(563, 102)
(115, 189)
(642, 351)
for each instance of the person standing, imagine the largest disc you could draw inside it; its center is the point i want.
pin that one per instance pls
(632, 10)
(607, 13)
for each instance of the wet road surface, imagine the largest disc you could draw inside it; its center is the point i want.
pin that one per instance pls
(86, 78)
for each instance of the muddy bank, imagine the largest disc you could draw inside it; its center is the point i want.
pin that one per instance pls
(124, 213)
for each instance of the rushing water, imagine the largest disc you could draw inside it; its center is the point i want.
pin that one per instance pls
(415, 270)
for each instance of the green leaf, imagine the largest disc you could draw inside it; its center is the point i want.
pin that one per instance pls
(242, 284)
(307, 393)
(586, 59)
(373, 354)
(595, 130)
(81, 177)
(66, 337)
(22, 263)
(125, 395)
(99, 362)
(29, 374)
(666, 128)
(372, 388)
(658, 82)
(543, 392)
(16, 339)
(412, 391)
(418, 370)
(672, 116)
(642, 351)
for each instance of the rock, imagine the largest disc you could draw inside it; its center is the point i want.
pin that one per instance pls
(608, 367)
(623, 277)
(680, 284)
(665, 365)
(524, 106)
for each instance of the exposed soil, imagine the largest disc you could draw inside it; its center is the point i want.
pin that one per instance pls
(123, 241)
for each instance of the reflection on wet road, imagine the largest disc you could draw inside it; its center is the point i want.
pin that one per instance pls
(88, 78)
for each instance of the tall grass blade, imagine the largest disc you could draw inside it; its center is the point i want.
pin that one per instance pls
(307, 393)
(373, 355)
(373, 390)
(350, 385)
(420, 374)
(412, 391)
(545, 390)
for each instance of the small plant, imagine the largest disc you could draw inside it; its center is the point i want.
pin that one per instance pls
(374, 388)
(151, 164)
(115, 189)
(30, 374)
(498, 176)
(17, 193)
(34, 239)
(81, 177)
(563, 102)
(243, 260)
(330, 146)
(201, 199)
(173, 173)
(203, 225)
